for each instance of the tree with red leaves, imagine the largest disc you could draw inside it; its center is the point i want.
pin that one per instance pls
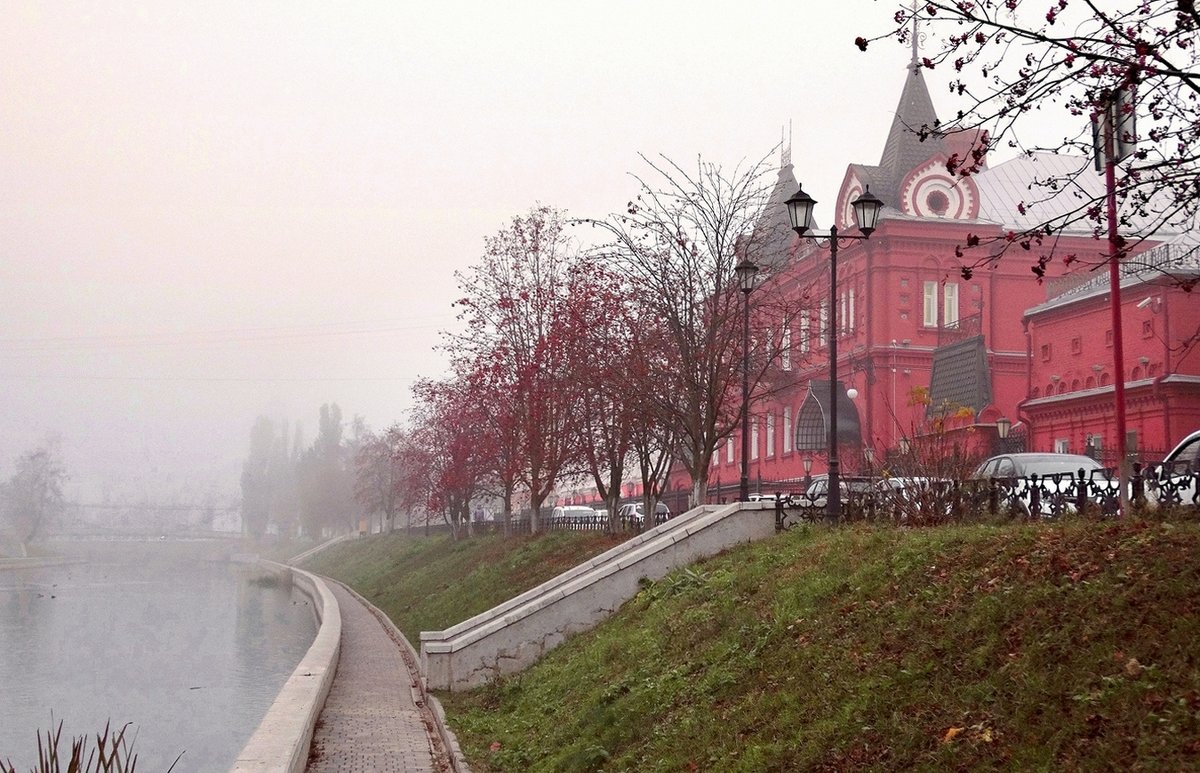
(515, 302)
(1010, 60)
(447, 430)
(603, 364)
(379, 475)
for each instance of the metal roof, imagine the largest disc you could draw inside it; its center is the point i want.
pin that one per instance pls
(1003, 188)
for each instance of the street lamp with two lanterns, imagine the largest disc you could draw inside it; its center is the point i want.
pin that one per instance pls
(866, 212)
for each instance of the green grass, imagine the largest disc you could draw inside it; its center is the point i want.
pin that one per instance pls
(431, 583)
(1066, 646)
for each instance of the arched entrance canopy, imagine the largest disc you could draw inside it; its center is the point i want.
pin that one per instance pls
(812, 426)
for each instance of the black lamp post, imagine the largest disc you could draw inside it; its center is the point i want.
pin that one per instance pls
(746, 271)
(866, 212)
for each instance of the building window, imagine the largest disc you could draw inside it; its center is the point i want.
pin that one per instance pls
(1147, 328)
(729, 449)
(753, 439)
(770, 434)
(1046, 351)
(950, 303)
(1108, 338)
(850, 316)
(1062, 446)
(804, 332)
(785, 346)
(787, 429)
(931, 300)
(1076, 345)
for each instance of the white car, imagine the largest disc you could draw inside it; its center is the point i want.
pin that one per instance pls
(571, 511)
(632, 513)
(1174, 481)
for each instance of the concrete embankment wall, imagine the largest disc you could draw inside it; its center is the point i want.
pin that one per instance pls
(513, 635)
(281, 742)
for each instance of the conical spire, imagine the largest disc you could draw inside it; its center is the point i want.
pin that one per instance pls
(912, 138)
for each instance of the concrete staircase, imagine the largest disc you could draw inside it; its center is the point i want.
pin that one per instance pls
(511, 636)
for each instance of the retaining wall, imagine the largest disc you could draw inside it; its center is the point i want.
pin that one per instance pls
(281, 742)
(513, 635)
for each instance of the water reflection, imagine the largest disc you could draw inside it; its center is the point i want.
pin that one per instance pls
(190, 651)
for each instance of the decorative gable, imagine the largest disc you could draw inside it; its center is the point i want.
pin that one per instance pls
(852, 188)
(929, 191)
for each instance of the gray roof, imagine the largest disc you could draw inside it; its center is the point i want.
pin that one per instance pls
(1004, 187)
(1169, 263)
(904, 148)
(960, 376)
(773, 233)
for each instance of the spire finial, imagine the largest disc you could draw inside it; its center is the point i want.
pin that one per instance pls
(915, 39)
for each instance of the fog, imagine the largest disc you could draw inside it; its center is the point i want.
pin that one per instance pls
(212, 211)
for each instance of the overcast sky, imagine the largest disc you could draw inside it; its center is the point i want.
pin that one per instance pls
(215, 210)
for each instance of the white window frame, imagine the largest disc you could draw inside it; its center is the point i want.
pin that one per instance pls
(823, 322)
(787, 429)
(785, 346)
(753, 439)
(850, 327)
(771, 435)
(804, 323)
(729, 449)
(930, 305)
(950, 304)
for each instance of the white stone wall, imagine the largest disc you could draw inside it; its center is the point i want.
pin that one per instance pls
(511, 636)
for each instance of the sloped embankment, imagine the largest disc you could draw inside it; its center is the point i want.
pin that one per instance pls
(430, 583)
(1064, 646)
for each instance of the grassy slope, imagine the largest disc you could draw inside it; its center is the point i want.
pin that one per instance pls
(1066, 646)
(431, 583)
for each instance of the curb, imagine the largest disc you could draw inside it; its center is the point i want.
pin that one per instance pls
(281, 742)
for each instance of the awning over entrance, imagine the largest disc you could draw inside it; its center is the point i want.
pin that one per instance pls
(961, 377)
(812, 427)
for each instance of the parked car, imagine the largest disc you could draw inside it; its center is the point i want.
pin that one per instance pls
(852, 488)
(1174, 481)
(1045, 483)
(916, 500)
(572, 511)
(633, 513)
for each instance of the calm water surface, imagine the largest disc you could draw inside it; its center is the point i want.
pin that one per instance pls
(189, 651)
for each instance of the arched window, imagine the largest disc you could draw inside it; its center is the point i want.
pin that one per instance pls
(1091, 382)
(1105, 379)
(1036, 393)
(1062, 387)
(1075, 385)
(1137, 374)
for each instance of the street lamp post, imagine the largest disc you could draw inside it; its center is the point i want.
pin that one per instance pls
(866, 212)
(746, 271)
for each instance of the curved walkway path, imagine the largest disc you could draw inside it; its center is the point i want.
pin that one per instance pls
(375, 718)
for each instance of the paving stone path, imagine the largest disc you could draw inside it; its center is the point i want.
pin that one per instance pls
(374, 718)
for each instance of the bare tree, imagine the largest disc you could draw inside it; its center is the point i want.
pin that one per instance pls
(678, 244)
(34, 493)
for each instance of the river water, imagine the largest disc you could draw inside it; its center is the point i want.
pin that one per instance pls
(191, 651)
